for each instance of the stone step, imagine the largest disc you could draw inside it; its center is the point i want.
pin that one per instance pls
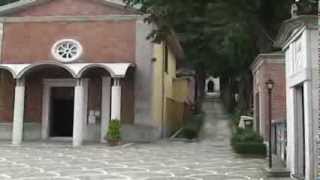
(277, 172)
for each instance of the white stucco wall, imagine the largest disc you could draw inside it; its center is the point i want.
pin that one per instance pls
(302, 70)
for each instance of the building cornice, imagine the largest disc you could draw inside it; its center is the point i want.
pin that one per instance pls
(291, 27)
(271, 58)
(23, 4)
(71, 18)
(116, 70)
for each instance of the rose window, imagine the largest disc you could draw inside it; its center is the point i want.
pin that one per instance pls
(67, 50)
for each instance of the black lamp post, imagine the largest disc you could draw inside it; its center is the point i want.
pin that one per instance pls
(270, 85)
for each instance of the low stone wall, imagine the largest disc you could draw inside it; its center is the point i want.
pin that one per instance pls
(139, 133)
(5, 131)
(92, 133)
(31, 131)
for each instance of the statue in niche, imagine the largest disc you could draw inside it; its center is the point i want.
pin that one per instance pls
(210, 86)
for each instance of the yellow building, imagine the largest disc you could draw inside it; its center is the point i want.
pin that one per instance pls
(171, 93)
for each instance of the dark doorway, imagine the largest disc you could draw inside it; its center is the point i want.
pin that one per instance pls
(304, 136)
(210, 86)
(300, 142)
(62, 103)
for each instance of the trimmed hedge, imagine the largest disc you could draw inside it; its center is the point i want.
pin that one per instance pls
(246, 135)
(247, 141)
(250, 148)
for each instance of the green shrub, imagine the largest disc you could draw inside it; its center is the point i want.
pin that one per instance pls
(246, 135)
(193, 126)
(189, 133)
(247, 141)
(235, 118)
(250, 148)
(114, 130)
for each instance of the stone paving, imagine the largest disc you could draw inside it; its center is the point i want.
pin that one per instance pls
(209, 159)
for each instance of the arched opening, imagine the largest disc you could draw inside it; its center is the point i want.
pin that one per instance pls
(89, 70)
(99, 100)
(43, 67)
(210, 86)
(7, 86)
(98, 106)
(49, 102)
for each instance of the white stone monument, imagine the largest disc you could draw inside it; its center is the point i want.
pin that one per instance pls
(212, 87)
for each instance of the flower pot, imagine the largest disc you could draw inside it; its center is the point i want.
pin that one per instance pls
(113, 142)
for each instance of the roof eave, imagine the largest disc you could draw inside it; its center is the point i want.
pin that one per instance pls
(21, 4)
(289, 26)
(262, 57)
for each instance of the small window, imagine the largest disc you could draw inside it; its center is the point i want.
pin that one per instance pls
(166, 57)
(67, 50)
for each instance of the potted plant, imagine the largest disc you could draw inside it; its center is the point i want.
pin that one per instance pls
(114, 134)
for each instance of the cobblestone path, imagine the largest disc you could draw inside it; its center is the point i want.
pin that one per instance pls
(209, 159)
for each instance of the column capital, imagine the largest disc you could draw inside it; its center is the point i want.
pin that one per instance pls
(116, 81)
(78, 81)
(20, 82)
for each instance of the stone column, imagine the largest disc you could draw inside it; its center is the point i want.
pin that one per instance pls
(116, 100)
(17, 132)
(45, 112)
(105, 107)
(78, 113)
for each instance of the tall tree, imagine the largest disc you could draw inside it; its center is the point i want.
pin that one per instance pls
(222, 37)
(3, 2)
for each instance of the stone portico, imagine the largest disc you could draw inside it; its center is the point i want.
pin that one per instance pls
(110, 96)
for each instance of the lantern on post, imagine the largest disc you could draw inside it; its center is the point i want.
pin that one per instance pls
(270, 86)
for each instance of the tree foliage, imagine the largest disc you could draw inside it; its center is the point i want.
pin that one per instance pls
(222, 37)
(3, 2)
(220, 30)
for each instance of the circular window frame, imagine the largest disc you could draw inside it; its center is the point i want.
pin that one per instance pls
(57, 56)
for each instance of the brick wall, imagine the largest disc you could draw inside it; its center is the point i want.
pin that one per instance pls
(276, 72)
(104, 42)
(267, 70)
(71, 8)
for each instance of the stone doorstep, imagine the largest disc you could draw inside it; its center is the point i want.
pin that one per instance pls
(185, 140)
(298, 177)
(277, 172)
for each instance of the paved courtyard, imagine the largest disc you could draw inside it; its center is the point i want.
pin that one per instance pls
(209, 159)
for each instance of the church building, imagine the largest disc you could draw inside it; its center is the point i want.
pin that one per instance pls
(67, 67)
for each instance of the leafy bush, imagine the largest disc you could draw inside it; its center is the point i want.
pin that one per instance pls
(250, 148)
(246, 135)
(193, 126)
(235, 118)
(247, 141)
(114, 130)
(189, 133)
